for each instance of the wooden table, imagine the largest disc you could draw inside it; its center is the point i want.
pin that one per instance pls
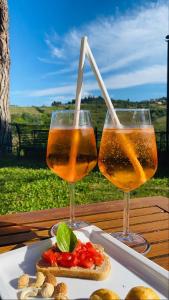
(148, 216)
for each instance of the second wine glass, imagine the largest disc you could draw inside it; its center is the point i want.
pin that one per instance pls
(128, 158)
(71, 152)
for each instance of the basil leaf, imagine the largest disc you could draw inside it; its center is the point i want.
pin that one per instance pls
(66, 239)
(73, 241)
(63, 237)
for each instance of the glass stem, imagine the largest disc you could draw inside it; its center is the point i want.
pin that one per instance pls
(72, 198)
(126, 213)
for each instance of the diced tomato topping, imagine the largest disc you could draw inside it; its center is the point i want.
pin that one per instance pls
(85, 255)
(98, 259)
(78, 246)
(87, 263)
(50, 256)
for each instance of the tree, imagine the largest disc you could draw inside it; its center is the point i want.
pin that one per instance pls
(5, 132)
(56, 103)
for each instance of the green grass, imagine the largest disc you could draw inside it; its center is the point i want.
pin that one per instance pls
(27, 186)
(160, 124)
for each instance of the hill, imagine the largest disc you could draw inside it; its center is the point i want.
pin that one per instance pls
(41, 115)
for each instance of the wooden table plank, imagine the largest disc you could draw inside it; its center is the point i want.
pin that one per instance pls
(81, 210)
(158, 250)
(162, 261)
(146, 212)
(148, 216)
(157, 236)
(90, 218)
(133, 221)
(143, 228)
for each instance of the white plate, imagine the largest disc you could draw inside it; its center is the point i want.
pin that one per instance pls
(128, 268)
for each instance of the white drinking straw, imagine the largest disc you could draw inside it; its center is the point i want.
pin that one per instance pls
(80, 81)
(85, 50)
(102, 85)
(75, 137)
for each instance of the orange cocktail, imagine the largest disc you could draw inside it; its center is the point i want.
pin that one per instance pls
(117, 166)
(71, 153)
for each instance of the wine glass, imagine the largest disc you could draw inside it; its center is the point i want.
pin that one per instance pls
(128, 158)
(71, 152)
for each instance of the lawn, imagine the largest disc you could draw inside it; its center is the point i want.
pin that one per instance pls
(27, 186)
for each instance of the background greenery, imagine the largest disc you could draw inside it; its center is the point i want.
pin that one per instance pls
(29, 185)
(41, 115)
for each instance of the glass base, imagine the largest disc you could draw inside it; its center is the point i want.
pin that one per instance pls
(133, 240)
(75, 225)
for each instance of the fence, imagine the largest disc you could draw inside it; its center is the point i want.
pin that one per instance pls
(162, 138)
(32, 139)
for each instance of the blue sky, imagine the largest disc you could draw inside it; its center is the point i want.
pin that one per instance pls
(127, 39)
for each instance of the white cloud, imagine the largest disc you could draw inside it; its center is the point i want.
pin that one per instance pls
(47, 61)
(59, 72)
(55, 51)
(118, 42)
(153, 74)
(130, 50)
(72, 67)
(61, 90)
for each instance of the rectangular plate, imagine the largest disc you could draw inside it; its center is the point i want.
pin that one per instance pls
(128, 268)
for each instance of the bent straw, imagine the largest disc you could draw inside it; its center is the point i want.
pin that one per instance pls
(75, 137)
(102, 85)
(80, 80)
(127, 147)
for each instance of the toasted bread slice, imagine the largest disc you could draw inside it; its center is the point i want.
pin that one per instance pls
(96, 273)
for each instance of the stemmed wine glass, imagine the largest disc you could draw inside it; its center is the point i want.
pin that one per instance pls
(128, 158)
(71, 152)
